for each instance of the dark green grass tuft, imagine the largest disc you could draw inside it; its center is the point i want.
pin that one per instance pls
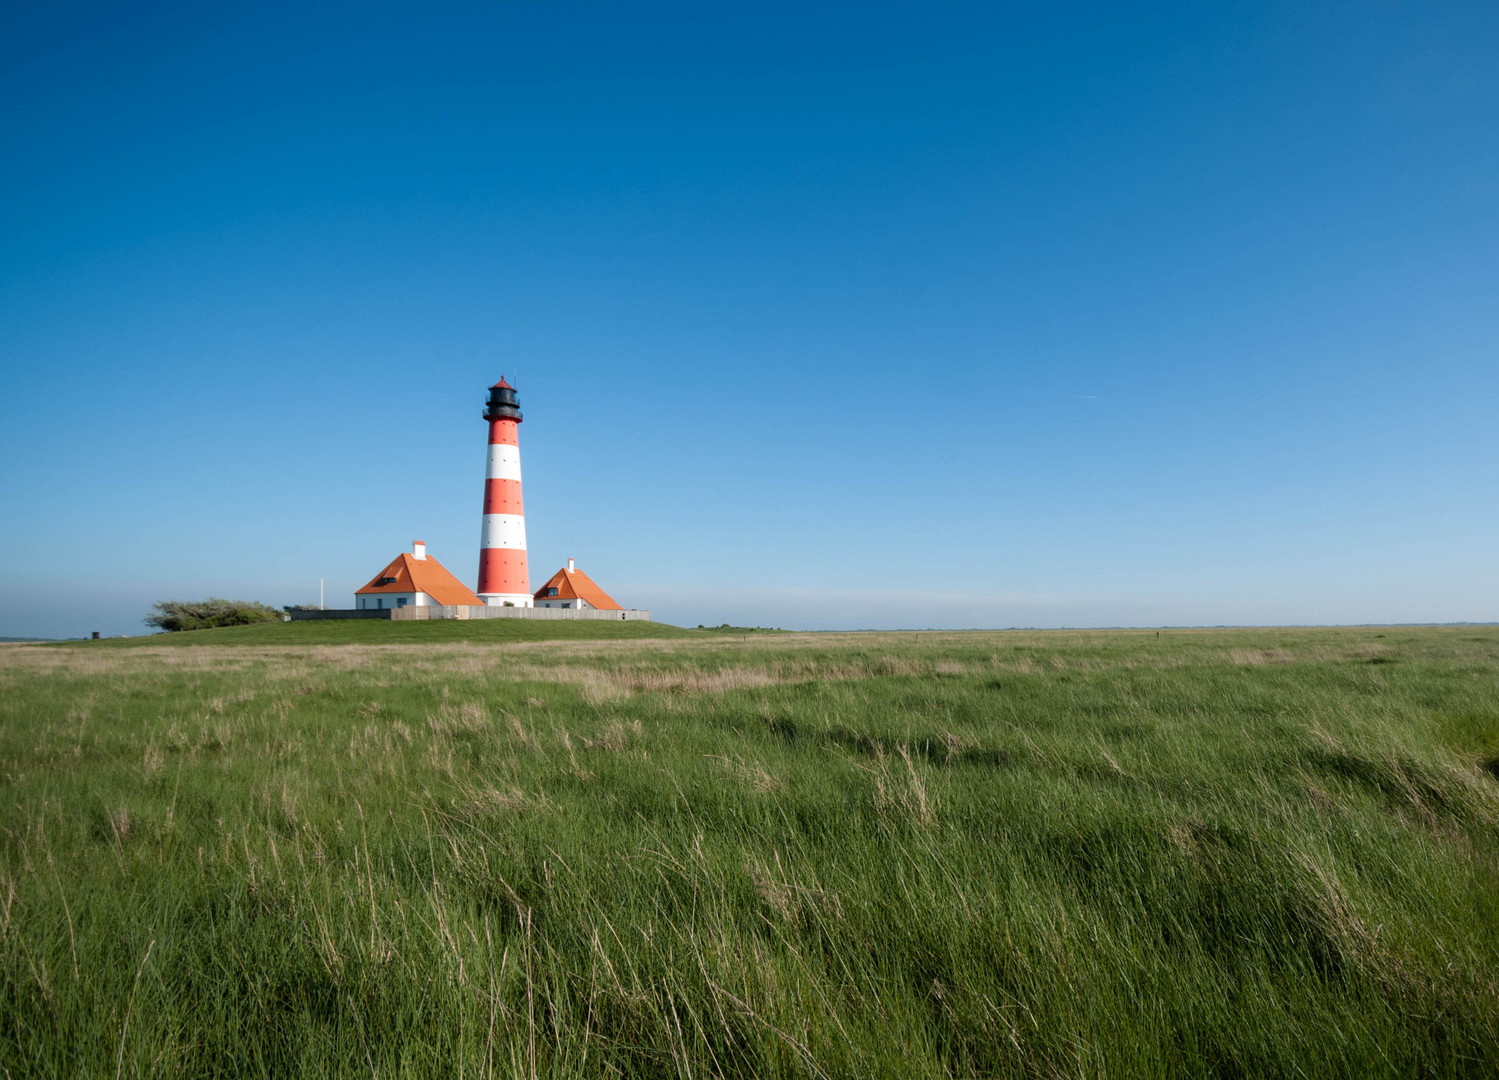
(1216, 853)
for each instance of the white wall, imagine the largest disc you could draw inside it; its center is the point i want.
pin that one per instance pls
(390, 600)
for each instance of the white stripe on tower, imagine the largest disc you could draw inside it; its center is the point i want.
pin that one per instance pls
(503, 578)
(504, 531)
(504, 462)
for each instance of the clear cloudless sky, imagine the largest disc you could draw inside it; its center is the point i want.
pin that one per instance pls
(821, 315)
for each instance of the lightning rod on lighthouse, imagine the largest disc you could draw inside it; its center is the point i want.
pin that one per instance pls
(503, 578)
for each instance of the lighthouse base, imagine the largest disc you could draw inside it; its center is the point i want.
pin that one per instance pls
(506, 599)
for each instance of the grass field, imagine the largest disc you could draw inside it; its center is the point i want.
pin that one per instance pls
(1064, 854)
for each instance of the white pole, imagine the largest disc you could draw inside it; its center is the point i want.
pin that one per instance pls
(320, 594)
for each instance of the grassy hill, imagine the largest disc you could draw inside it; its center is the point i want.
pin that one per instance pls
(403, 632)
(1263, 853)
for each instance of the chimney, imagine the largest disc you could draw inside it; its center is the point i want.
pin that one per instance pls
(419, 550)
(570, 566)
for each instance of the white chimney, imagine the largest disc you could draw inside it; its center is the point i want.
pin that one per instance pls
(419, 550)
(570, 566)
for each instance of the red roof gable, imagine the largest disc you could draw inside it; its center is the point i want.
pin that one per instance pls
(408, 574)
(576, 585)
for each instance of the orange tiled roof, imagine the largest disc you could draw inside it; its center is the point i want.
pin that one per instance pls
(576, 585)
(411, 574)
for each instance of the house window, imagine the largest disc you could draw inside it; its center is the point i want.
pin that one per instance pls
(551, 592)
(400, 601)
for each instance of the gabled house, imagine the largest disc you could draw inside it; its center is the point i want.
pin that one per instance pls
(571, 588)
(414, 579)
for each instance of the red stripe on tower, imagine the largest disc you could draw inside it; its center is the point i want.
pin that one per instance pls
(502, 497)
(502, 543)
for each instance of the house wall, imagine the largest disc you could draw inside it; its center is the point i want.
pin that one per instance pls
(391, 600)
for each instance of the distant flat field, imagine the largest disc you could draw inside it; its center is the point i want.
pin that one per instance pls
(475, 849)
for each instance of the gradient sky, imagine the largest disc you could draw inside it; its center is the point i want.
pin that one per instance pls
(859, 315)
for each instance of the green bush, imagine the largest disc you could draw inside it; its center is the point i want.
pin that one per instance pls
(204, 614)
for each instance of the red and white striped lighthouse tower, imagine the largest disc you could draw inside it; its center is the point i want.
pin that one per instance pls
(502, 545)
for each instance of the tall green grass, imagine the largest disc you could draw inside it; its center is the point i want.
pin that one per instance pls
(1014, 854)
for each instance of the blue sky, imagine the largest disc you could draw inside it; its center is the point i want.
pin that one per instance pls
(821, 315)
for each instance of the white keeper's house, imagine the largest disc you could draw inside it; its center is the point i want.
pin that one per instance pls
(571, 588)
(417, 579)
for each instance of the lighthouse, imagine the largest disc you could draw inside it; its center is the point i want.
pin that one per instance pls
(502, 543)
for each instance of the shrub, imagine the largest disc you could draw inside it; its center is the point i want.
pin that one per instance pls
(203, 614)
